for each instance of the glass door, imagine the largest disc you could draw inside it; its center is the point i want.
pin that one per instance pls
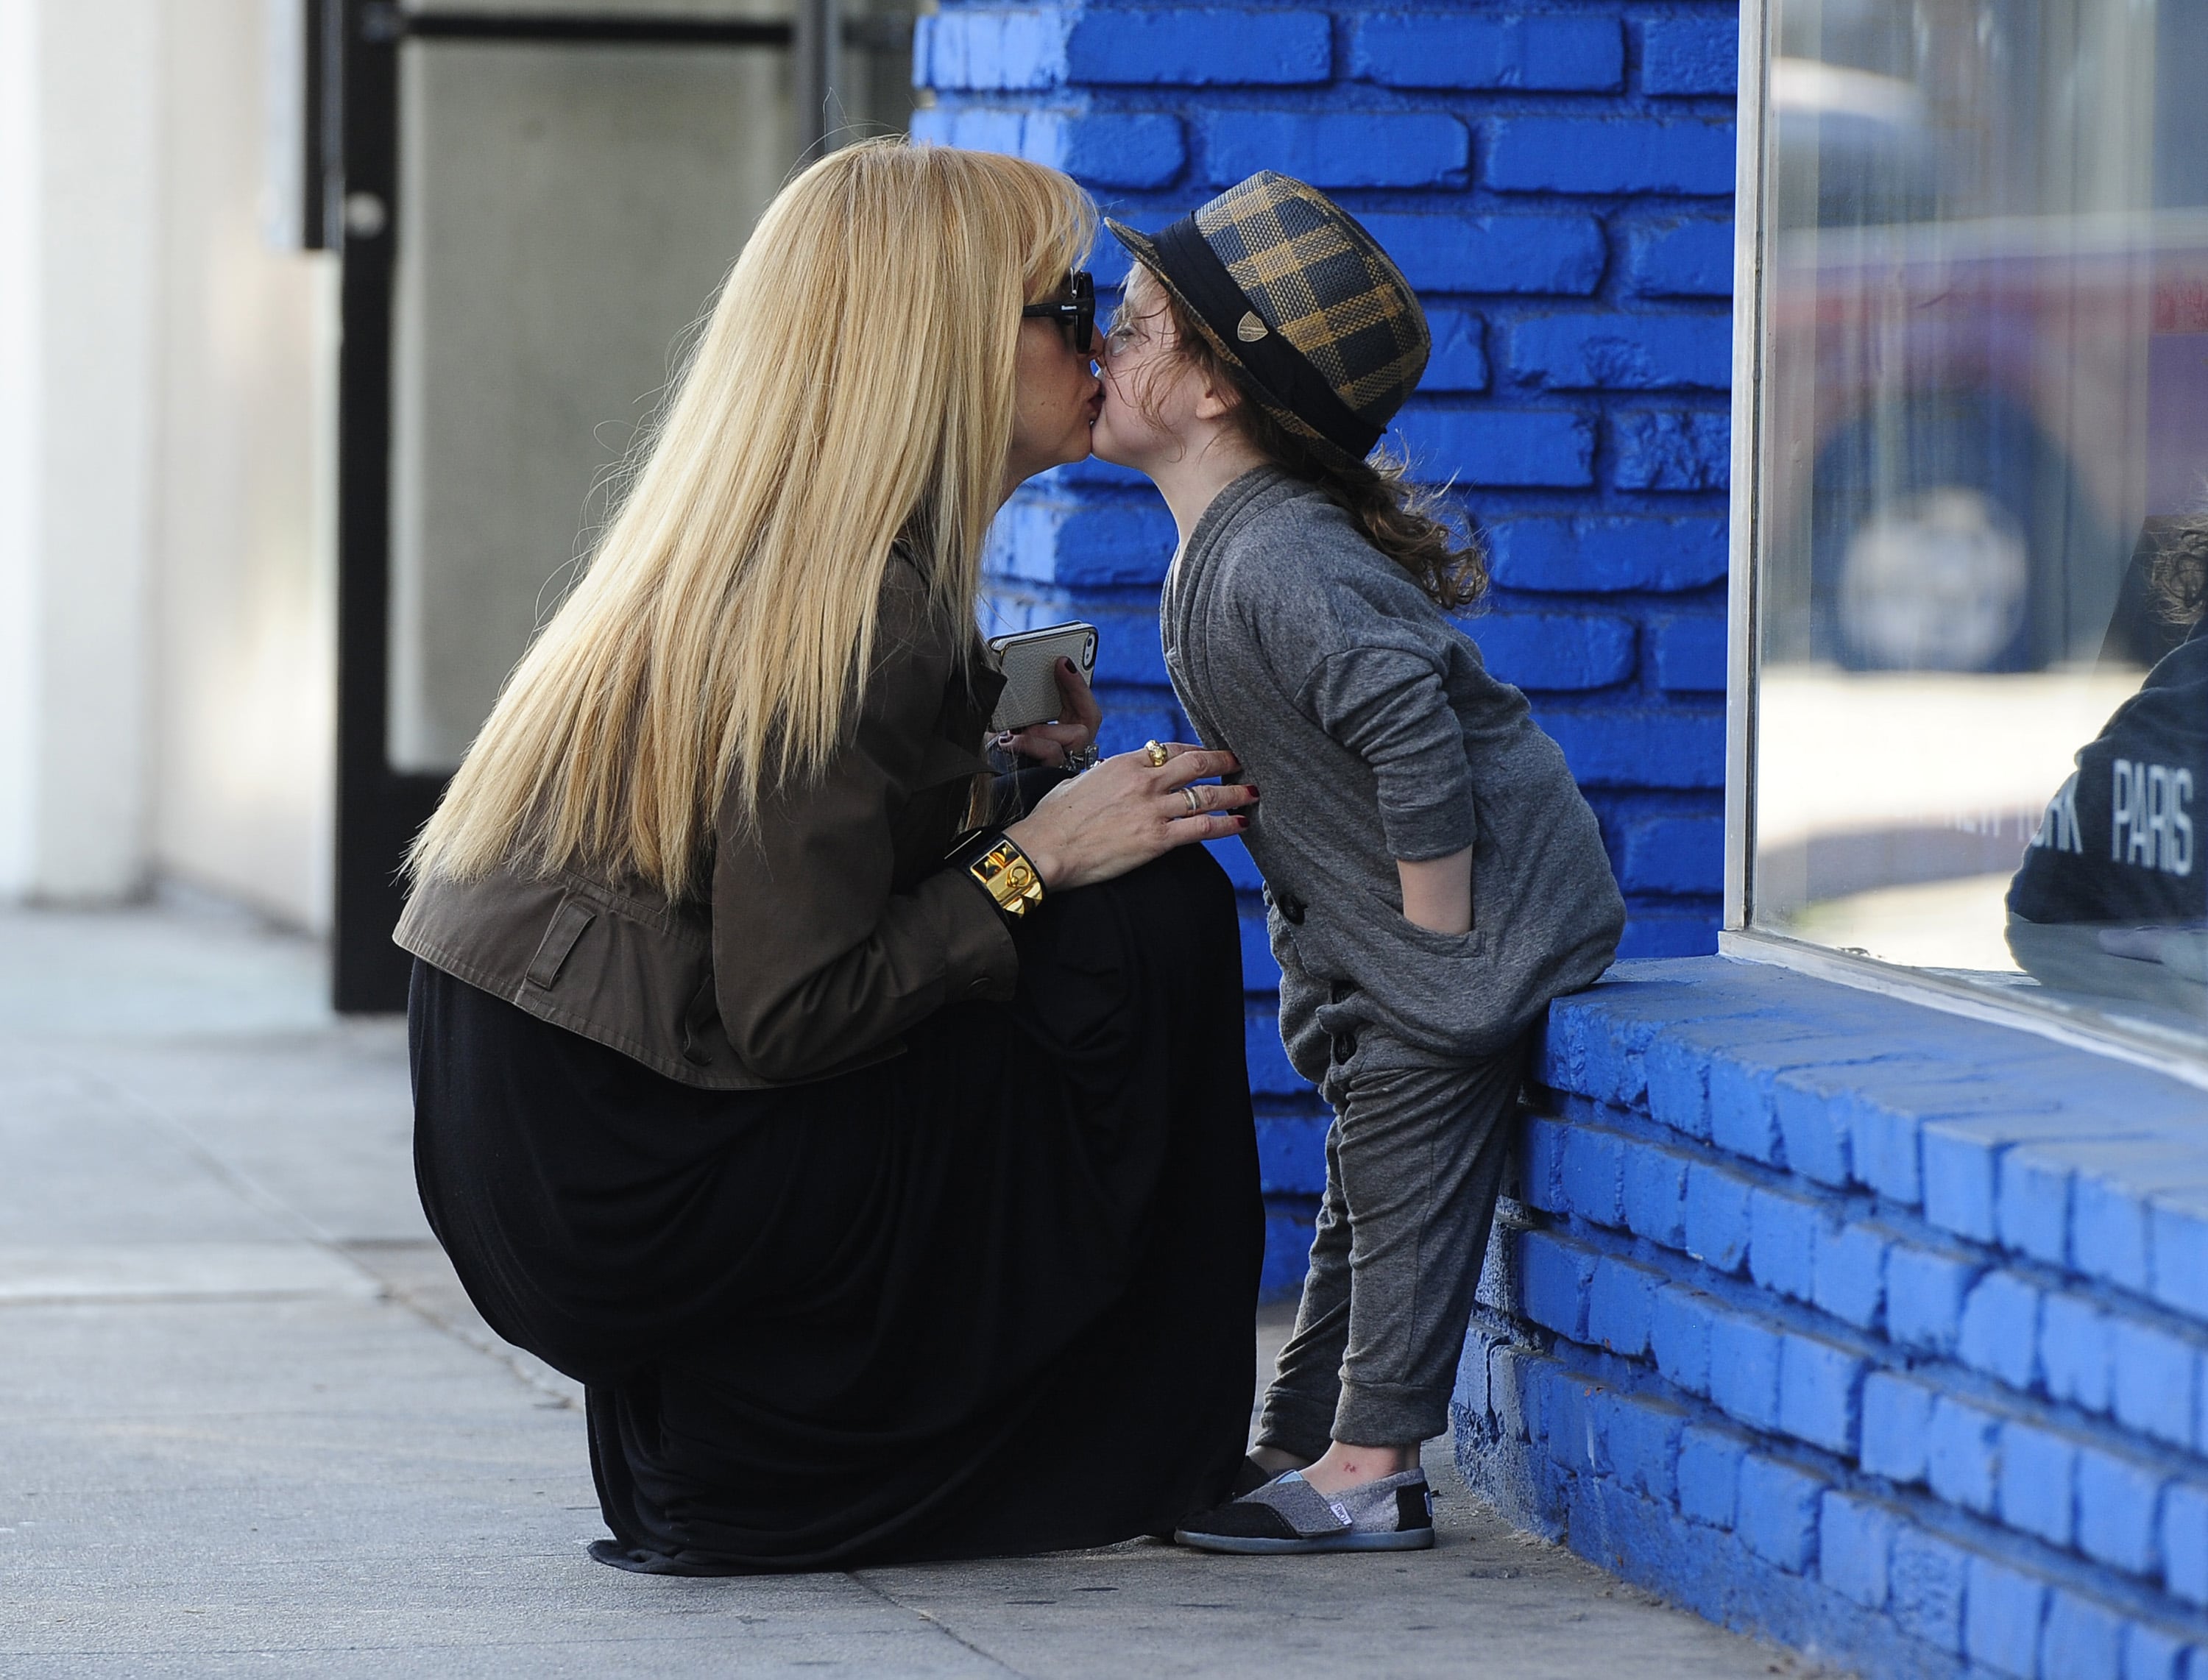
(536, 206)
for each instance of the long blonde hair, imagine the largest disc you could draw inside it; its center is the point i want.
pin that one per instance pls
(852, 389)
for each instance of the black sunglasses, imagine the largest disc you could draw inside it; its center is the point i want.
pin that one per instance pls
(1076, 311)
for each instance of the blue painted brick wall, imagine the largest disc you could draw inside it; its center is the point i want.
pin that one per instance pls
(1813, 1330)
(1602, 155)
(1680, 259)
(1597, 351)
(1557, 182)
(1567, 53)
(1689, 52)
(1459, 250)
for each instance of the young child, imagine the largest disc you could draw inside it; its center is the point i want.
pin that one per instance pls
(1432, 876)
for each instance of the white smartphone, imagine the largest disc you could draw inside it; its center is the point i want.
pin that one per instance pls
(1027, 660)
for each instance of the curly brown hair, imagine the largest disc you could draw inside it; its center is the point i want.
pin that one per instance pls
(2177, 576)
(1404, 522)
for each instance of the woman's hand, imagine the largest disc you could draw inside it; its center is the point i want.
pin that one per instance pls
(1126, 812)
(1052, 743)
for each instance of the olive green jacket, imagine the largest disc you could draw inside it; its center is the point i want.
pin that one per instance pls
(828, 928)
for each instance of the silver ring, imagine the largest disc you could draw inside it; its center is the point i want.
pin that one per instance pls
(1195, 803)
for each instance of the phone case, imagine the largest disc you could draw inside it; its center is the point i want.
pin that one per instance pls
(1029, 662)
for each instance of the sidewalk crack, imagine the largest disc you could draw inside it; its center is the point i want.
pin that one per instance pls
(935, 1622)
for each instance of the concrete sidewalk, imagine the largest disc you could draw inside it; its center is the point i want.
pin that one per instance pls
(248, 1423)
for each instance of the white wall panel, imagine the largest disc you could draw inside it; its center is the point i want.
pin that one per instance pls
(81, 158)
(244, 618)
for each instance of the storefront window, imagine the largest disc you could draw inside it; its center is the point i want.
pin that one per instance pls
(1981, 700)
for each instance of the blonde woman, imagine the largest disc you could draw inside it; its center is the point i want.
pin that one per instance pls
(893, 1197)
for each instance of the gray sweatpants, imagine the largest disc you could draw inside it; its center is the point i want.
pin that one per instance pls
(1413, 1165)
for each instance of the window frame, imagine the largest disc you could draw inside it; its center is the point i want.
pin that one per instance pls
(1738, 939)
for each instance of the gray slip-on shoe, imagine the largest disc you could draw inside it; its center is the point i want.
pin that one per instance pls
(1394, 1514)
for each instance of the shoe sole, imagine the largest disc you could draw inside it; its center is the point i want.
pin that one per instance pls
(1409, 1539)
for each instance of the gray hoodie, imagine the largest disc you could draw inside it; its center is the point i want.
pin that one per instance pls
(1374, 733)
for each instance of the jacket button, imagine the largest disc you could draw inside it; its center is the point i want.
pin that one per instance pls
(975, 989)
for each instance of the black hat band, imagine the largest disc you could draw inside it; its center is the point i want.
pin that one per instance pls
(1275, 363)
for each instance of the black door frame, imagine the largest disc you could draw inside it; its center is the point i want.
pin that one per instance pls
(379, 809)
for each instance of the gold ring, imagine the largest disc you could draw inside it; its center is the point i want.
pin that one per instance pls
(1195, 802)
(1156, 754)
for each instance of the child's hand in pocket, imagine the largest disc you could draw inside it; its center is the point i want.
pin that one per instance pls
(1437, 892)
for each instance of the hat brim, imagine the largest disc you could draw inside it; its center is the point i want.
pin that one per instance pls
(1145, 250)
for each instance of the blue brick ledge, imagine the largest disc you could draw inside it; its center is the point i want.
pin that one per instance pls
(1876, 1330)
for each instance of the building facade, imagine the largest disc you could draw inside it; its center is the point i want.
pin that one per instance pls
(1829, 379)
(1851, 1290)
(167, 411)
(1558, 187)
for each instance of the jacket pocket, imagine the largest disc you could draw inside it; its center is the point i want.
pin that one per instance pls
(1301, 999)
(1432, 941)
(1436, 992)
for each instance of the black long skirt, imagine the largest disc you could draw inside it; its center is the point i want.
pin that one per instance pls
(991, 1296)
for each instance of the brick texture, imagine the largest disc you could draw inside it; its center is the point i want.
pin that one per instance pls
(1452, 248)
(1680, 259)
(1600, 155)
(1557, 184)
(1334, 148)
(1801, 1289)
(1437, 49)
(1689, 53)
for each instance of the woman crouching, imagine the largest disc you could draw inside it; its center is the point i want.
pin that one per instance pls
(885, 1211)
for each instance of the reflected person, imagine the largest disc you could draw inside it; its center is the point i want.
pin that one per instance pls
(2112, 898)
(885, 1212)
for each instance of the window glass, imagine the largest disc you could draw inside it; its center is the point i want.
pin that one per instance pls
(566, 210)
(564, 213)
(1982, 701)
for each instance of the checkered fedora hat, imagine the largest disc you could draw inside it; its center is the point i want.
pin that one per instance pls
(1290, 289)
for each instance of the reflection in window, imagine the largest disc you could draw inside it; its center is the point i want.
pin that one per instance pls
(1982, 696)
